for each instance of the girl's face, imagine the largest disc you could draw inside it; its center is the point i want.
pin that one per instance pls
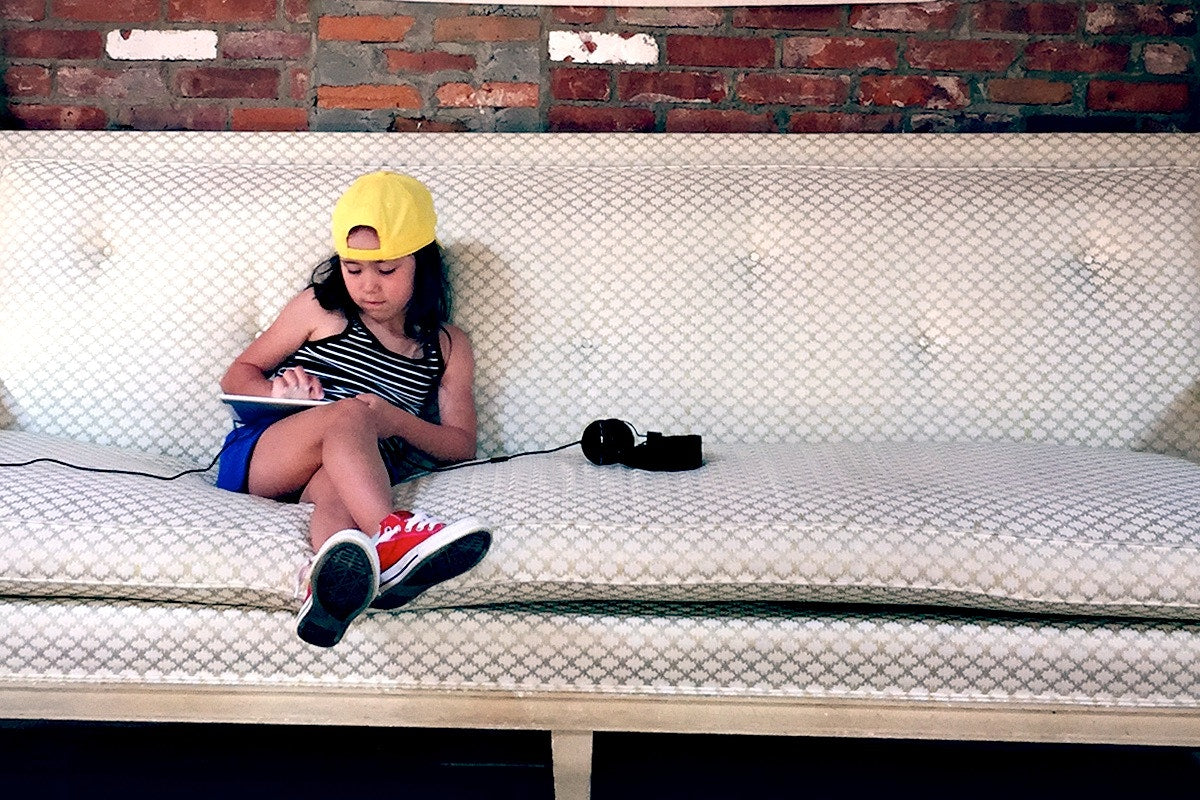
(381, 289)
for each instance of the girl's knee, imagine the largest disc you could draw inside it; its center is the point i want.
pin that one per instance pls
(350, 414)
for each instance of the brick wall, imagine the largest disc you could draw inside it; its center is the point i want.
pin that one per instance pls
(973, 65)
(157, 64)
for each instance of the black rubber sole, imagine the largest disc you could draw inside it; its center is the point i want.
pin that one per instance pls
(342, 585)
(449, 562)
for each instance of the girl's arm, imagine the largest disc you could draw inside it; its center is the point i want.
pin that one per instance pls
(455, 438)
(295, 325)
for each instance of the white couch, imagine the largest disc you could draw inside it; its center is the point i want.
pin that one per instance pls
(947, 387)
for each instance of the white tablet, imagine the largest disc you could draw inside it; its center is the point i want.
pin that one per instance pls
(251, 408)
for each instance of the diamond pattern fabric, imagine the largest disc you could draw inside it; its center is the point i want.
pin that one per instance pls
(821, 304)
(650, 650)
(1016, 527)
(65, 533)
(610, 149)
(1004, 526)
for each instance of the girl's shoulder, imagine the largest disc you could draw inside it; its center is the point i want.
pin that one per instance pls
(455, 345)
(453, 333)
(305, 311)
(451, 336)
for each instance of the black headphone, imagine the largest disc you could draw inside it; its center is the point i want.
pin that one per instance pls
(611, 441)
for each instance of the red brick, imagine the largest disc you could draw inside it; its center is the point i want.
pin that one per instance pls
(843, 122)
(1053, 56)
(492, 94)
(711, 120)
(1162, 98)
(719, 51)
(299, 81)
(925, 91)
(1145, 19)
(428, 61)
(226, 82)
(911, 17)
(26, 81)
(220, 10)
(52, 44)
(141, 82)
(579, 15)
(794, 90)
(60, 117)
(486, 29)
(23, 10)
(366, 97)
(579, 84)
(816, 18)
(671, 87)
(270, 119)
(997, 16)
(264, 45)
(582, 119)
(174, 118)
(676, 17)
(1028, 91)
(425, 125)
(977, 55)
(364, 29)
(106, 10)
(820, 52)
(297, 10)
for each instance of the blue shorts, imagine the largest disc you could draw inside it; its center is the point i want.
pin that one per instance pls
(233, 471)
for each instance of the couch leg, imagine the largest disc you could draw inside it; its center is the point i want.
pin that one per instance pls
(572, 762)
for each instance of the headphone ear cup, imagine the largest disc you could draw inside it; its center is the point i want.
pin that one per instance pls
(607, 441)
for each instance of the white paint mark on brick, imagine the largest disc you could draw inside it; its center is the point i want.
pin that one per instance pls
(1100, 18)
(1166, 59)
(587, 47)
(137, 45)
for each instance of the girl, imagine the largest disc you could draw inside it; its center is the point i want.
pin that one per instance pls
(369, 334)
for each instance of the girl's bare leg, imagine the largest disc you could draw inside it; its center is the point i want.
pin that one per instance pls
(331, 452)
(330, 514)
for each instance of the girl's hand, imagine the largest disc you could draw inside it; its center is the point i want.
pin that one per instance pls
(296, 384)
(373, 401)
(380, 410)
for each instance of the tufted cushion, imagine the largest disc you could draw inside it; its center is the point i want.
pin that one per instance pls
(1013, 527)
(65, 533)
(751, 303)
(1017, 527)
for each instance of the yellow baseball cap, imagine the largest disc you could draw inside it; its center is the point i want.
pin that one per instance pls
(398, 207)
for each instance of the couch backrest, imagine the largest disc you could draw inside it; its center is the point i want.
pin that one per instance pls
(693, 289)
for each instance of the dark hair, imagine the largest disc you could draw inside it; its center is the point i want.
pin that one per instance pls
(428, 308)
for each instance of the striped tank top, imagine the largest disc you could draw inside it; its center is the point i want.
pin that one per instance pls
(355, 362)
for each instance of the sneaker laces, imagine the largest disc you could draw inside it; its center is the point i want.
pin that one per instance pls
(302, 576)
(417, 521)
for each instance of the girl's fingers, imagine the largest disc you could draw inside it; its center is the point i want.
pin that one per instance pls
(279, 387)
(298, 384)
(308, 385)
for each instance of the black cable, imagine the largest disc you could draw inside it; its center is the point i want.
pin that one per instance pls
(104, 471)
(426, 469)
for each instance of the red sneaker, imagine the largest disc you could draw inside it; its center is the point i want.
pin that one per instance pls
(341, 584)
(417, 550)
